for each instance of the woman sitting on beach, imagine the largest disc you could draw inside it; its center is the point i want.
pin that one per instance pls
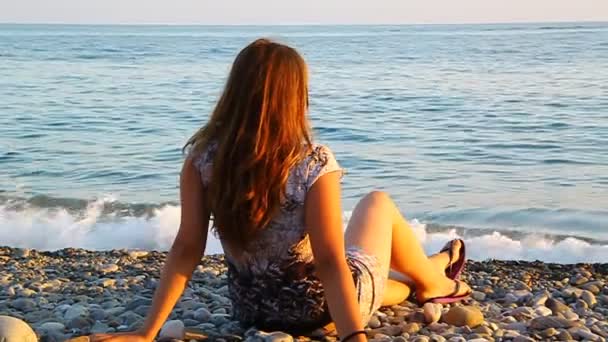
(274, 199)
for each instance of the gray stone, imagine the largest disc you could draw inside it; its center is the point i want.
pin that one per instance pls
(108, 268)
(137, 302)
(79, 322)
(278, 336)
(572, 292)
(579, 280)
(478, 296)
(556, 306)
(518, 326)
(142, 310)
(522, 312)
(15, 330)
(550, 332)
(483, 330)
(437, 338)
(129, 318)
(457, 339)
(27, 293)
(570, 315)
(99, 328)
(463, 315)
(380, 338)
(97, 314)
(599, 331)
(589, 298)
(173, 329)
(136, 254)
(543, 311)
(564, 335)
(191, 322)
(116, 311)
(75, 311)
(411, 328)
(421, 339)
(582, 333)
(52, 326)
(511, 334)
(593, 288)
(391, 330)
(523, 339)
(437, 327)
(374, 322)
(107, 282)
(219, 319)
(23, 304)
(202, 315)
(542, 323)
(432, 312)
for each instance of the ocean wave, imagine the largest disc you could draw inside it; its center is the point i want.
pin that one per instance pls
(106, 224)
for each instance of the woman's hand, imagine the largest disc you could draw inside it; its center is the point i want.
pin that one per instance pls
(120, 337)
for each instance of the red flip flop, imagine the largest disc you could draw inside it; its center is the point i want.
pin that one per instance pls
(454, 269)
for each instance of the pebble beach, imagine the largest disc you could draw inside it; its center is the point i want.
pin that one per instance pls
(70, 293)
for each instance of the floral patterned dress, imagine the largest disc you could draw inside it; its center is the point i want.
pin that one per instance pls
(273, 284)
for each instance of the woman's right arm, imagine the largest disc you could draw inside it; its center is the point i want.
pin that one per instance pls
(185, 254)
(324, 223)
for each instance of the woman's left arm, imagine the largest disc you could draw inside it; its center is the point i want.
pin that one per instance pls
(185, 254)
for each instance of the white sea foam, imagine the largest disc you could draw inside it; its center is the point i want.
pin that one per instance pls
(51, 229)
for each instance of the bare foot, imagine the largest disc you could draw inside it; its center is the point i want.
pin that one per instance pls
(442, 260)
(446, 287)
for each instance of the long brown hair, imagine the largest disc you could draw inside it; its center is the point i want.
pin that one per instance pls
(260, 127)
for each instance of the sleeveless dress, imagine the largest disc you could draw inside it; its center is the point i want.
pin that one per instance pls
(273, 284)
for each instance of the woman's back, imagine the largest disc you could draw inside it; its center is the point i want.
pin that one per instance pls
(272, 277)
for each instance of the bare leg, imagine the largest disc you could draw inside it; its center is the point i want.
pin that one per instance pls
(440, 260)
(396, 292)
(377, 226)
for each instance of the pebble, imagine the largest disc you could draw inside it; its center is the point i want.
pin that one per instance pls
(136, 254)
(556, 306)
(374, 323)
(173, 329)
(23, 304)
(432, 312)
(543, 311)
(595, 287)
(202, 315)
(108, 268)
(278, 336)
(411, 328)
(589, 298)
(478, 296)
(582, 333)
(542, 323)
(564, 335)
(75, 311)
(464, 315)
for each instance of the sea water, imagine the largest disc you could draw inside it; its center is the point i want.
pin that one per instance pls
(496, 133)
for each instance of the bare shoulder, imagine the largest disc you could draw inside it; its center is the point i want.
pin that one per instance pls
(190, 174)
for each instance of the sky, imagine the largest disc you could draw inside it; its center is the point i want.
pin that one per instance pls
(266, 12)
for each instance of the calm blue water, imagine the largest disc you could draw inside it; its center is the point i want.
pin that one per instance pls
(500, 131)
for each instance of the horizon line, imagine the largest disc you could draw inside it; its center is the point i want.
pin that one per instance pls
(306, 24)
